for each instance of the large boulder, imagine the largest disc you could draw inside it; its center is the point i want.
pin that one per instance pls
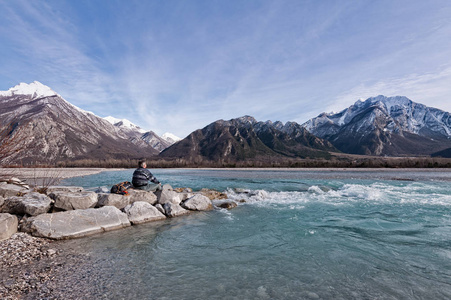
(67, 189)
(31, 204)
(142, 196)
(117, 200)
(167, 194)
(142, 212)
(76, 223)
(174, 210)
(198, 202)
(8, 226)
(71, 201)
(10, 190)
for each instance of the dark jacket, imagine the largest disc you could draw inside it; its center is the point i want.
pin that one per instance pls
(141, 177)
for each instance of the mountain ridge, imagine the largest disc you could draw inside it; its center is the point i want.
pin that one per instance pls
(245, 138)
(385, 126)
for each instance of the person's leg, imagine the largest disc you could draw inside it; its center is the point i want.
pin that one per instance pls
(152, 187)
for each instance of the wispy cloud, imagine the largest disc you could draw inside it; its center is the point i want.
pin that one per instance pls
(429, 89)
(177, 66)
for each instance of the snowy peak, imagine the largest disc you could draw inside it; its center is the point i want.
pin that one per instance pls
(170, 138)
(124, 124)
(34, 89)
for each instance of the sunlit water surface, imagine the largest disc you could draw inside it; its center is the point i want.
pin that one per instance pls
(300, 235)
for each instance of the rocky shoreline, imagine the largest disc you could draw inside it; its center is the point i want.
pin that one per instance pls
(32, 221)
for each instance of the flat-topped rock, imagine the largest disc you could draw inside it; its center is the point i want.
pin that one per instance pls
(198, 202)
(121, 201)
(142, 196)
(116, 200)
(174, 210)
(10, 190)
(31, 204)
(8, 225)
(76, 223)
(72, 201)
(142, 212)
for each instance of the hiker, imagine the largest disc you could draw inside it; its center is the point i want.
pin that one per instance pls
(144, 180)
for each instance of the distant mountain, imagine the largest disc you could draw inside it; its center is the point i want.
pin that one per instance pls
(385, 126)
(245, 138)
(139, 136)
(51, 129)
(170, 138)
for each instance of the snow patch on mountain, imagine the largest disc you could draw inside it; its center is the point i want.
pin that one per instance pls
(34, 89)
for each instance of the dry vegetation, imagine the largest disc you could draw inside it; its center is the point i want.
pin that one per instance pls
(339, 161)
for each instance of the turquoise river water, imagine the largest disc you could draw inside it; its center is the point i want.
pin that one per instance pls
(318, 234)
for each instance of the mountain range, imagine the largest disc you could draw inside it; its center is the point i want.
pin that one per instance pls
(50, 129)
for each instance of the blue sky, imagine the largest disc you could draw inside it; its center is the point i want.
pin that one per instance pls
(179, 65)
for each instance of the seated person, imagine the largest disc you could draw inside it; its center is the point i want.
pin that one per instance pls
(144, 180)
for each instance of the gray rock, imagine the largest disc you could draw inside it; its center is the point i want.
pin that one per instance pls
(2, 200)
(8, 226)
(10, 190)
(228, 204)
(70, 201)
(67, 189)
(142, 212)
(160, 208)
(174, 210)
(167, 194)
(198, 202)
(31, 204)
(142, 196)
(119, 201)
(76, 223)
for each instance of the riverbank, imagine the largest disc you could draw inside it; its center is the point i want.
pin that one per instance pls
(36, 268)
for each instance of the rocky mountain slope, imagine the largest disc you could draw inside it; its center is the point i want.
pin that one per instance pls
(385, 126)
(245, 138)
(47, 128)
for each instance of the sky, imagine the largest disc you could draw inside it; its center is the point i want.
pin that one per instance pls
(176, 66)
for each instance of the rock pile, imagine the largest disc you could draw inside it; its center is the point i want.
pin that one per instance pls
(70, 212)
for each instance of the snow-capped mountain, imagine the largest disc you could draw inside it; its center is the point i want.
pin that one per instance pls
(50, 129)
(385, 126)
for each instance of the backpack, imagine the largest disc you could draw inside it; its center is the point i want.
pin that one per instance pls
(121, 188)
